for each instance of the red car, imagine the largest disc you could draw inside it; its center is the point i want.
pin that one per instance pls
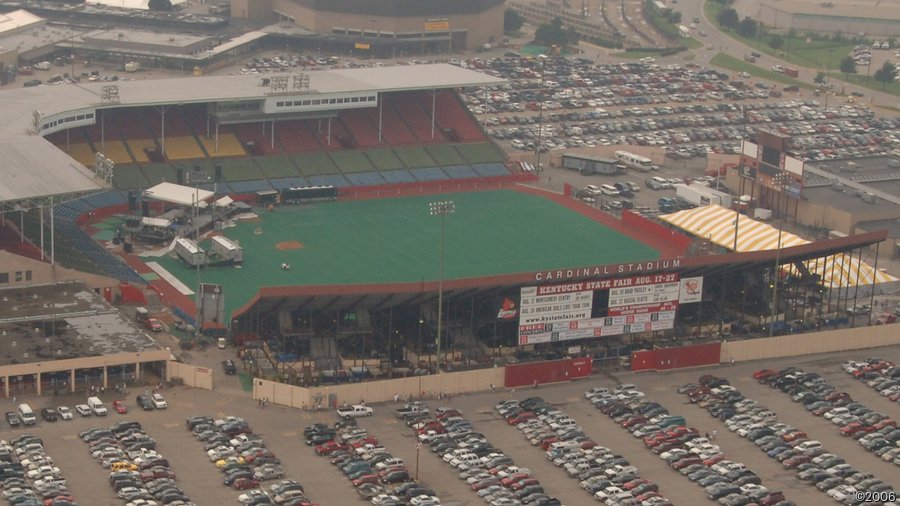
(634, 483)
(715, 459)
(887, 422)
(521, 417)
(524, 483)
(330, 447)
(153, 474)
(681, 430)
(547, 441)
(509, 480)
(437, 427)
(120, 407)
(448, 414)
(857, 429)
(764, 374)
(687, 461)
(631, 422)
(793, 462)
(366, 478)
(792, 436)
(153, 325)
(244, 484)
(368, 440)
(837, 396)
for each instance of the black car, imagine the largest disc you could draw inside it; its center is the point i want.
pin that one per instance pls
(229, 366)
(144, 402)
(49, 414)
(13, 419)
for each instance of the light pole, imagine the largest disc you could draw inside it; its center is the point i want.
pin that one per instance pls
(441, 208)
(419, 343)
(781, 181)
(540, 142)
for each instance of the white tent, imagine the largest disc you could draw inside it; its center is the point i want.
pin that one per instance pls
(178, 194)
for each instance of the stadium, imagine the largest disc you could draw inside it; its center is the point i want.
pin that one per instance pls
(360, 222)
(385, 27)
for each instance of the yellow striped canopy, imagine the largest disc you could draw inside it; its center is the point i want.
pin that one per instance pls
(717, 224)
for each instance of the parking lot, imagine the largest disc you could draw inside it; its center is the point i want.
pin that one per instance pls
(282, 428)
(690, 110)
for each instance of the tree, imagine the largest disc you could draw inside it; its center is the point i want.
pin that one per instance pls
(776, 42)
(160, 5)
(886, 74)
(748, 27)
(848, 66)
(512, 21)
(673, 17)
(728, 18)
(553, 34)
(820, 77)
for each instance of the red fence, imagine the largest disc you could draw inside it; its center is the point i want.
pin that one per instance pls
(637, 222)
(676, 358)
(550, 371)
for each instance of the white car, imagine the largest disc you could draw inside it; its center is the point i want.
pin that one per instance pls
(83, 410)
(43, 471)
(841, 492)
(65, 413)
(251, 496)
(159, 402)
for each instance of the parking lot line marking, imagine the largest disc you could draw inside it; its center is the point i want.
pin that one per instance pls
(70, 437)
(171, 425)
(572, 399)
(388, 421)
(289, 434)
(225, 401)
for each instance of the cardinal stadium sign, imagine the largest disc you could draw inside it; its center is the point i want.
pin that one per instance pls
(608, 270)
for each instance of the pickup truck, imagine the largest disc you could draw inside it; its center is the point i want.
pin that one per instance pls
(354, 411)
(411, 409)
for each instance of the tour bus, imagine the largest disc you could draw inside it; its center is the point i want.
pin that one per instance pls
(641, 163)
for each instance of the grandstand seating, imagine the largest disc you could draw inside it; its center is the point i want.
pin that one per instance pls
(296, 136)
(409, 107)
(10, 240)
(394, 129)
(253, 132)
(363, 132)
(452, 116)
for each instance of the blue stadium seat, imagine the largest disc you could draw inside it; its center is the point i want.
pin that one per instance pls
(398, 176)
(429, 174)
(365, 179)
(288, 182)
(460, 171)
(490, 169)
(332, 180)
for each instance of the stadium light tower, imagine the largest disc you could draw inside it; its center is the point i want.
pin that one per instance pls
(441, 208)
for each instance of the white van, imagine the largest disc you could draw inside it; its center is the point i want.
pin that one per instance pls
(27, 414)
(609, 190)
(97, 406)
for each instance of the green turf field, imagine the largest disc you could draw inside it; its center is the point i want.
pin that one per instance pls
(396, 240)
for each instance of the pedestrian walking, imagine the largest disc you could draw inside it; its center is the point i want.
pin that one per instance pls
(707, 436)
(714, 434)
(492, 388)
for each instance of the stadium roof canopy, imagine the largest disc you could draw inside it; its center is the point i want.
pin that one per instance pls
(717, 224)
(32, 168)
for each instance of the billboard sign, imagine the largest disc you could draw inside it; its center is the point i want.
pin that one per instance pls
(690, 290)
(571, 310)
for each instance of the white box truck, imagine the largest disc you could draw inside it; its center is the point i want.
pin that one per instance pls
(227, 250)
(190, 252)
(96, 406)
(700, 195)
